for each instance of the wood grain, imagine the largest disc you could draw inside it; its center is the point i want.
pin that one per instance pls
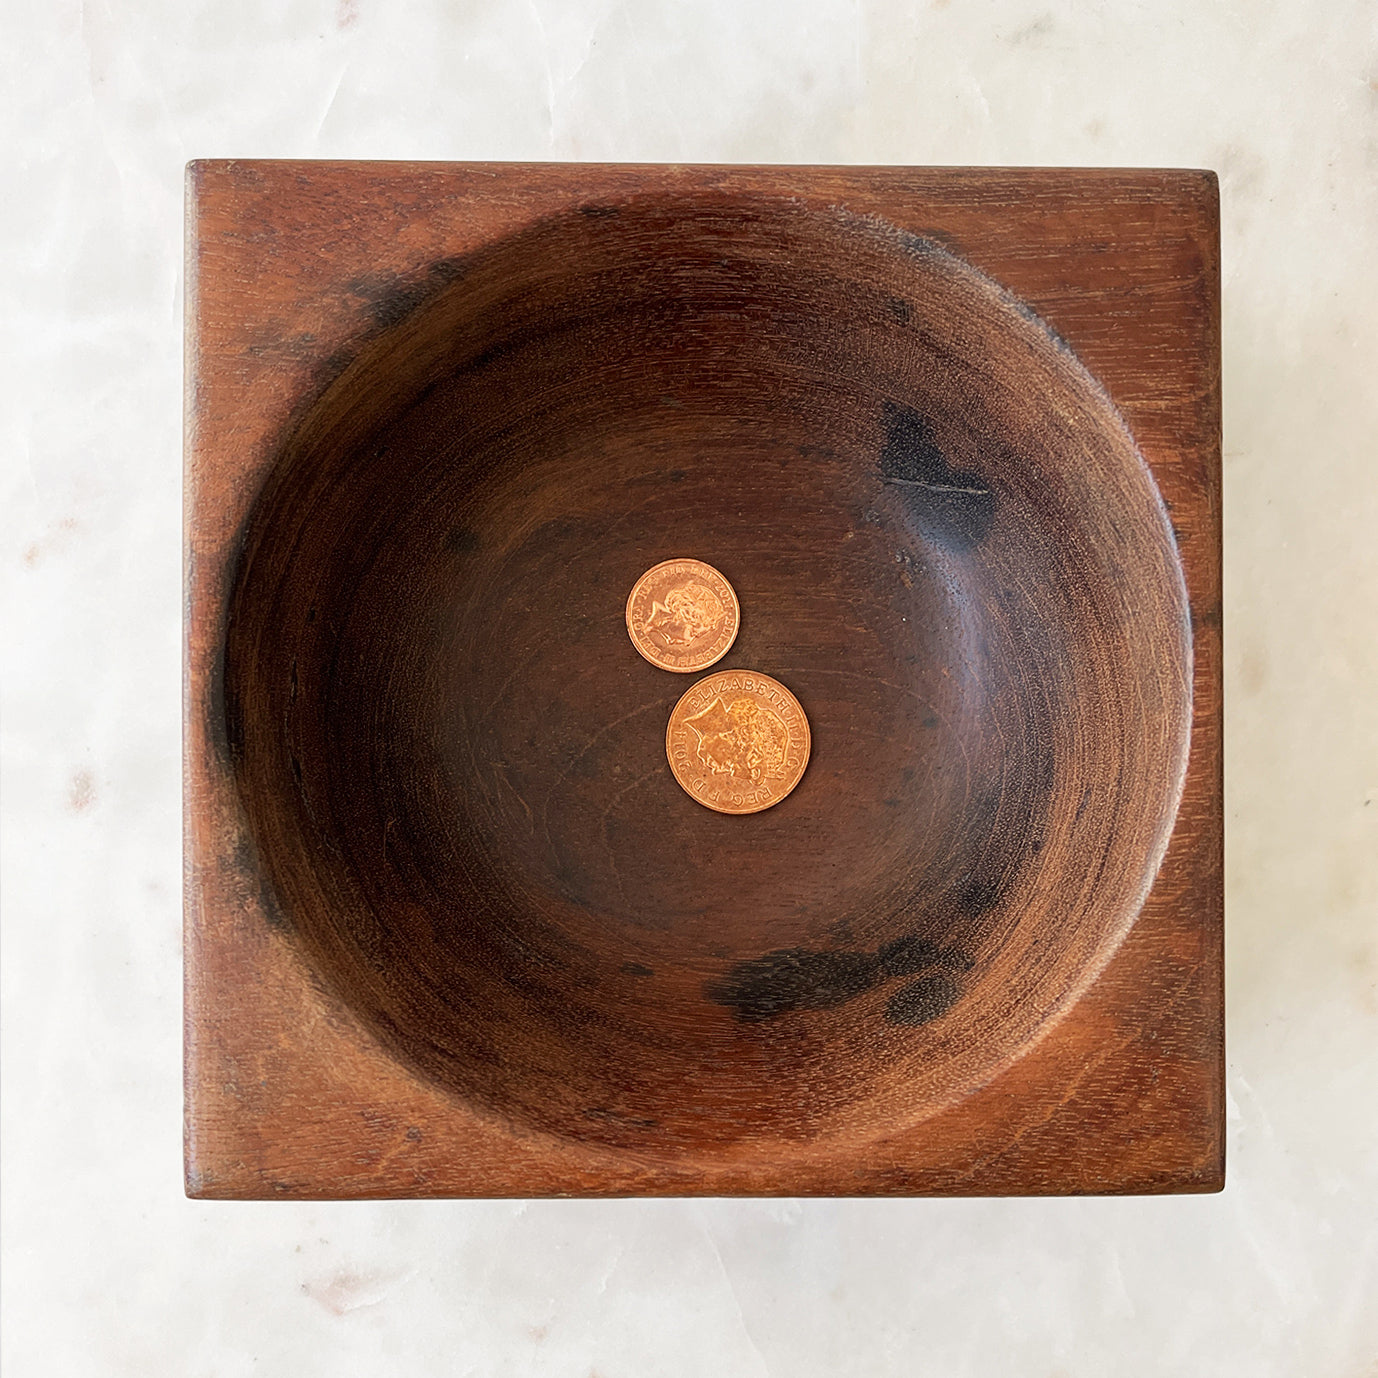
(452, 928)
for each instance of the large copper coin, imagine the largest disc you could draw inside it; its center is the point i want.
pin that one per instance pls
(683, 615)
(738, 741)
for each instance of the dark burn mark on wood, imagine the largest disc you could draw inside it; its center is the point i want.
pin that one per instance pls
(462, 541)
(635, 969)
(922, 1000)
(249, 875)
(448, 269)
(794, 978)
(905, 956)
(954, 506)
(333, 365)
(900, 310)
(980, 891)
(391, 299)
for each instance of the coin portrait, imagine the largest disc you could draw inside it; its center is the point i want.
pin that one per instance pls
(682, 615)
(738, 741)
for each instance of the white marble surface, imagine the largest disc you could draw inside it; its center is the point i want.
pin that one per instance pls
(107, 1269)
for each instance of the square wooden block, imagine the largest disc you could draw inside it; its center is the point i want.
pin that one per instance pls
(328, 306)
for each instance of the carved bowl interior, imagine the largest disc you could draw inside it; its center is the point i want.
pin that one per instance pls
(452, 761)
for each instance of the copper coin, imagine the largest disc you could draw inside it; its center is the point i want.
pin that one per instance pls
(683, 615)
(738, 741)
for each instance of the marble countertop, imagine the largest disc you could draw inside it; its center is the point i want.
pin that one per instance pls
(108, 1270)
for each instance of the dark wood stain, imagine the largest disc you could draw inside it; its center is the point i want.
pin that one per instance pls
(953, 506)
(796, 979)
(922, 1001)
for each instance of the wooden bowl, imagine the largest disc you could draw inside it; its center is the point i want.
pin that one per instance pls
(452, 760)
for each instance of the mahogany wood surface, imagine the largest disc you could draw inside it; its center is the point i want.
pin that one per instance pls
(953, 436)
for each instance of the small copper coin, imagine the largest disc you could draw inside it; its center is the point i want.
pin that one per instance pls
(683, 615)
(738, 741)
